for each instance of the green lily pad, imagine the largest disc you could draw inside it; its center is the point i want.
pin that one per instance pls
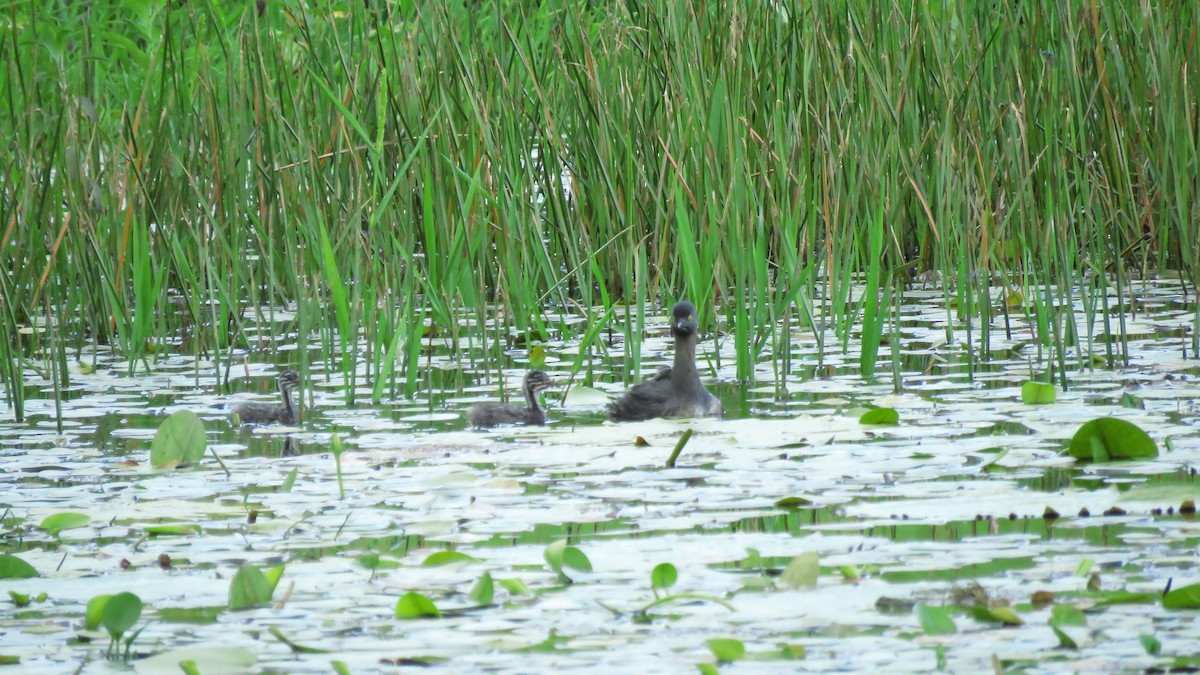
(64, 521)
(1038, 393)
(120, 612)
(448, 558)
(1109, 439)
(802, 571)
(12, 567)
(179, 440)
(935, 620)
(249, 587)
(663, 576)
(880, 416)
(413, 605)
(1187, 597)
(727, 649)
(484, 590)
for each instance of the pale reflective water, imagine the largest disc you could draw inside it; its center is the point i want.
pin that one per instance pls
(915, 513)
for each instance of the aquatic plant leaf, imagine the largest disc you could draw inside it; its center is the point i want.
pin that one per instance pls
(197, 615)
(12, 567)
(1162, 494)
(559, 556)
(726, 649)
(935, 620)
(441, 558)
(880, 416)
(802, 571)
(1187, 597)
(1108, 438)
(515, 586)
(663, 576)
(373, 561)
(179, 440)
(120, 612)
(1151, 644)
(1067, 615)
(64, 521)
(248, 588)
(999, 614)
(413, 605)
(206, 658)
(159, 530)
(295, 647)
(576, 559)
(484, 590)
(289, 481)
(1121, 597)
(273, 574)
(1038, 393)
(537, 357)
(1065, 641)
(94, 610)
(707, 668)
(793, 502)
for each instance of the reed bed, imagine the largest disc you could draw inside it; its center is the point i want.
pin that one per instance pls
(386, 169)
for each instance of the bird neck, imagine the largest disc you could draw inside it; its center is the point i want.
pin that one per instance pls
(288, 406)
(684, 371)
(531, 399)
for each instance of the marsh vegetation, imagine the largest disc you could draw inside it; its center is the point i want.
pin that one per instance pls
(910, 206)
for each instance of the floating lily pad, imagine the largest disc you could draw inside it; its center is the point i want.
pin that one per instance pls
(120, 612)
(727, 649)
(935, 620)
(663, 576)
(249, 587)
(441, 558)
(179, 440)
(484, 590)
(1187, 597)
(12, 567)
(802, 571)
(1110, 439)
(64, 521)
(413, 605)
(1038, 393)
(881, 416)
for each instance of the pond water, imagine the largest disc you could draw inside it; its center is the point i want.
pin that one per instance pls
(945, 509)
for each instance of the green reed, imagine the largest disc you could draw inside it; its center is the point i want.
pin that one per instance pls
(178, 169)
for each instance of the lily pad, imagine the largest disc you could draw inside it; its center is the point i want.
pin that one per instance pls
(1108, 439)
(935, 620)
(1187, 597)
(120, 612)
(413, 605)
(1038, 393)
(179, 440)
(249, 587)
(64, 521)
(12, 567)
(881, 416)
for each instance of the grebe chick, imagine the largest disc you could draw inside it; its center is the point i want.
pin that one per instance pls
(483, 415)
(253, 412)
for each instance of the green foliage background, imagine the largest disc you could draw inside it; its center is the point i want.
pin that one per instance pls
(169, 167)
